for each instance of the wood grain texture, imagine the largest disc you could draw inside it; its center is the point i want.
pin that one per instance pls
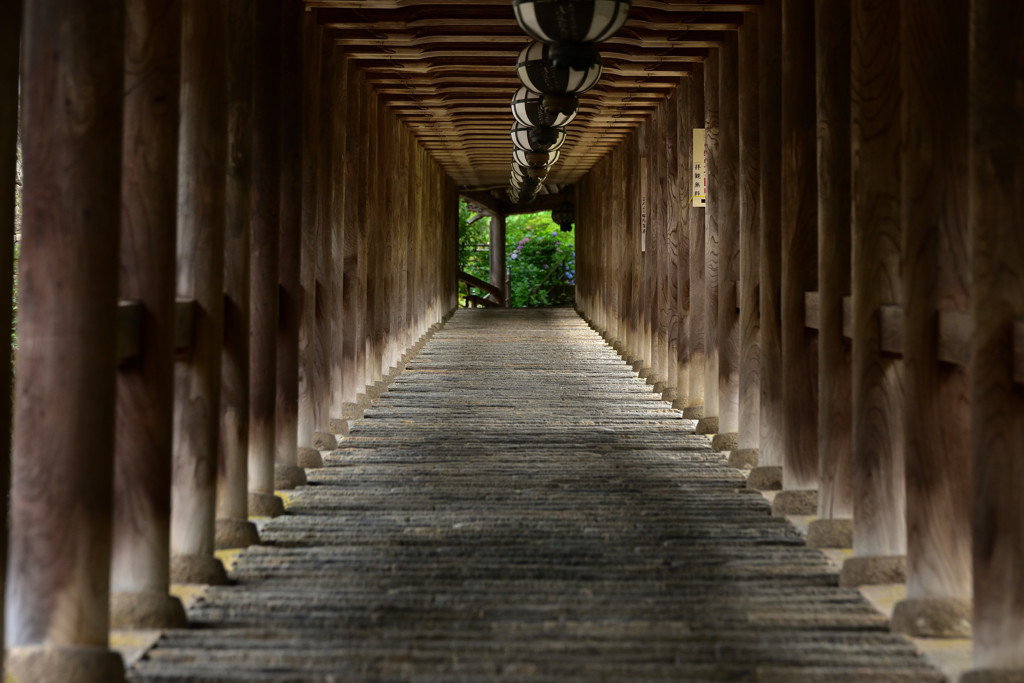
(145, 386)
(684, 169)
(266, 214)
(353, 287)
(673, 187)
(936, 247)
(62, 458)
(878, 402)
(799, 239)
(324, 291)
(770, 267)
(716, 195)
(698, 298)
(728, 213)
(339, 112)
(749, 191)
(233, 456)
(310, 141)
(289, 236)
(202, 173)
(996, 204)
(835, 455)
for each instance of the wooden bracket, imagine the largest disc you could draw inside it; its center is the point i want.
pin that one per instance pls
(129, 330)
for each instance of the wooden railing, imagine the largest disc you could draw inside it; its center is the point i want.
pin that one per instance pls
(474, 300)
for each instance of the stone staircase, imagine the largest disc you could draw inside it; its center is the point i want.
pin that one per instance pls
(519, 506)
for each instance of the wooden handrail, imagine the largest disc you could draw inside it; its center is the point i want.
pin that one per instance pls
(477, 282)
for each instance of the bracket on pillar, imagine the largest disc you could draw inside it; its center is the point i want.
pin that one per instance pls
(184, 324)
(129, 330)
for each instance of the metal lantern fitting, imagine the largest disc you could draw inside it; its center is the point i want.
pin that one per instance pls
(534, 159)
(534, 139)
(528, 109)
(565, 215)
(571, 21)
(538, 72)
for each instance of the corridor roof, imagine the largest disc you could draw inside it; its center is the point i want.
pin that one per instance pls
(447, 69)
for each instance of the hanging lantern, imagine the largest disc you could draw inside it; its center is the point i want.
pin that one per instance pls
(565, 215)
(518, 171)
(534, 159)
(528, 109)
(534, 139)
(571, 21)
(540, 74)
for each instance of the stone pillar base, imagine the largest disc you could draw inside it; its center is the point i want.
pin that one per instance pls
(873, 570)
(309, 458)
(198, 569)
(289, 476)
(669, 394)
(795, 502)
(765, 478)
(351, 411)
(726, 441)
(744, 458)
(993, 676)
(149, 610)
(373, 391)
(933, 617)
(658, 386)
(265, 504)
(644, 371)
(362, 401)
(693, 412)
(636, 363)
(338, 426)
(40, 664)
(830, 533)
(322, 441)
(707, 425)
(235, 533)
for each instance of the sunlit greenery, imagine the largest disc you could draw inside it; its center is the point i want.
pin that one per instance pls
(540, 258)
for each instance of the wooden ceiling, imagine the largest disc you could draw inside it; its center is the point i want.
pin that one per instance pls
(447, 69)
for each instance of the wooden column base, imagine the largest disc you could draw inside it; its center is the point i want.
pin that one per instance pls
(151, 610)
(309, 458)
(744, 458)
(795, 502)
(765, 478)
(65, 664)
(265, 504)
(873, 570)
(933, 618)
(725, 441)
(993, 676)
(289, 477)
(707, 425)
(830, 533)
(198, 569)
(235, 533)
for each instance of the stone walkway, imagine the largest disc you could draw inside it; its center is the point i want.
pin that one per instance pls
(519, 506)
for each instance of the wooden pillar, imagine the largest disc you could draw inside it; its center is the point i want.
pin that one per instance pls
(497, 254)
(768, 473)
(264, 296)
(935, 284)
(641, 194)
(709, 422)
(684, 170)
(834, 526)
(674, 184)
(202, 172)
(326, 325)
(799, 235)
(338, 424)
(291, 106)
(353, 285)
(749, 191)
(140, 561)
(995, 207)
(311, 131)
(61, 498)
(879, 534)
(370, 244)
(694, 408)
(10, 43)
(727, 209)
(234, 530)
(657, 247)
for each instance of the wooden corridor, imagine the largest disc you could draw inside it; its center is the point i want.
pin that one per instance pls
(520, 506)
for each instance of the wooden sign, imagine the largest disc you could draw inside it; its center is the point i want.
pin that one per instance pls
(643, 204)
(699, 186)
